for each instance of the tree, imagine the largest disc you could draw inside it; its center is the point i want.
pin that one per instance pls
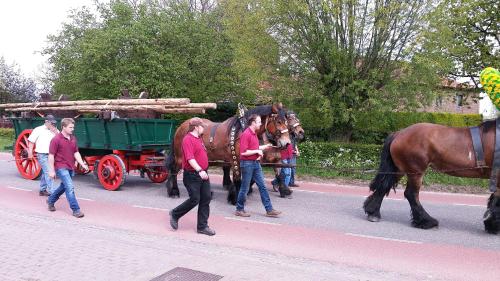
(351, 55)
(463, 37)
(256, 52)
(14, 86)
(166, 48)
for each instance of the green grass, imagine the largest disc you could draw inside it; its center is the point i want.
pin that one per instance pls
(4, 141)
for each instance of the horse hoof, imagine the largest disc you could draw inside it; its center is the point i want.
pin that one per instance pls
(428, 224)
(373, 218)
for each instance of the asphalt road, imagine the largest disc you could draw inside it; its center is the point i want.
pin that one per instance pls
(322, 223)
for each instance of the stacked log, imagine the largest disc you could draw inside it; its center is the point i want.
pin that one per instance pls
(172, 105)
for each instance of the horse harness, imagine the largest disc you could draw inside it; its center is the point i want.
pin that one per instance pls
(479, 153)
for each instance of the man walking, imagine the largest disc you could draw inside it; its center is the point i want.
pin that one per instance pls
(195, 178)
(40, 139)
(285, 172)
(250, 154)
(63, 152)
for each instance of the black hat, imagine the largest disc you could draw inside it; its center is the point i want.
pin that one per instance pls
(51, 119)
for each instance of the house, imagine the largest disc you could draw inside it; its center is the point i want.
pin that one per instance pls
(463, 98)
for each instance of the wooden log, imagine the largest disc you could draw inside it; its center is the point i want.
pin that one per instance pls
(195, 105)
(166, 102)
(156, 108)
(98, 107)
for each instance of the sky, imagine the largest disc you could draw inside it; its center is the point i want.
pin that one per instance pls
(24, 26)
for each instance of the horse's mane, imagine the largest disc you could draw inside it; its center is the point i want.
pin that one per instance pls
(262, 110)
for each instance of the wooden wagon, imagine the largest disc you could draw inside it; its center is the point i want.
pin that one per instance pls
(112, 148)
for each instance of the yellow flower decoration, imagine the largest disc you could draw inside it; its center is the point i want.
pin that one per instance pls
(490, 79)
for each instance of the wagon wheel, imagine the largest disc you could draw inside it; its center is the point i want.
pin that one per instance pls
(158, 174)
(80, 170)
(28, 168)
(111, 172)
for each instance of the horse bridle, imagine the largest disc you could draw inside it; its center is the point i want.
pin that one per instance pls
(270, 136)
(295, 125)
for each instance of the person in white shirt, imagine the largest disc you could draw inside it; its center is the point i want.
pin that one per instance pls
(40, 138)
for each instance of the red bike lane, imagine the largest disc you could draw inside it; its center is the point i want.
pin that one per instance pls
(441, 261)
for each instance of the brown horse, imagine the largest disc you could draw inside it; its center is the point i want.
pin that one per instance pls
(273, 155)
(219, 148)
(449, 150)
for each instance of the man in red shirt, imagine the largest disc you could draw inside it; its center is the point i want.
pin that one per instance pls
(63, 152)
(250, 154)
(195, 178)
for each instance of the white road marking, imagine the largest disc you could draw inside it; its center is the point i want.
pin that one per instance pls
(384, 238)
(310, 191)
(86, 199)
(151, 208)
(396, 199)
(469, 205)
(252, 221)
(17, 188)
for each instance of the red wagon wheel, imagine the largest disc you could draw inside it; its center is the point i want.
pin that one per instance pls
(111, 172)
(28, 168)
(158, 174)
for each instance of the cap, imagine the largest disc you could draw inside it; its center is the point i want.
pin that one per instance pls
(51, 119)
(196, 122)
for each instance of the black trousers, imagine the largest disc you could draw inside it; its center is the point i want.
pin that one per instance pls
(199, 194)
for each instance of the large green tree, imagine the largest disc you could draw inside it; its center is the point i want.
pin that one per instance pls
(167, 48)
(340, 57)
(463, 37)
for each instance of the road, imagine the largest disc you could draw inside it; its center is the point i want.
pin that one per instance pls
(322, 235)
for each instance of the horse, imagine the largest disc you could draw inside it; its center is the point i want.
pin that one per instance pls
(449, 150)
(273, 155)
(220, 139)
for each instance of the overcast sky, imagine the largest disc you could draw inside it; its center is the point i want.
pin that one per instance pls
(24, 26)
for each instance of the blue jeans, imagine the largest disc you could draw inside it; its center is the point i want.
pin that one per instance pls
(45, 181)
(293, 161)
(66, 186)
(252, 169)
(285, 173)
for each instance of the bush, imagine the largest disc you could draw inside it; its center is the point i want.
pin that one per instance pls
(7, 133)
(339, 155)
(373, 127)
(358, 161)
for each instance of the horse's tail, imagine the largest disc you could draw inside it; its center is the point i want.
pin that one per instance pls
(387, 176)
(170, 161)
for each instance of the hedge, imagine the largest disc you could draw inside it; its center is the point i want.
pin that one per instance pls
(7, 133)
(373, 127)
(339, 155)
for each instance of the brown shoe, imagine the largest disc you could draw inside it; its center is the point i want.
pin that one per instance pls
(44, 193)
(50, 206)
(294, 185)
(78, 214)
(241, 213)
(273, 213)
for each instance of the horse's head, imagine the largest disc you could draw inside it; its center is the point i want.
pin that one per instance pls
(276, 126)
(294, 125)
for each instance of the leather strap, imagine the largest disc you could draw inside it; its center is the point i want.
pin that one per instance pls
(212, 135)
(495, 169)
(478, 146)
